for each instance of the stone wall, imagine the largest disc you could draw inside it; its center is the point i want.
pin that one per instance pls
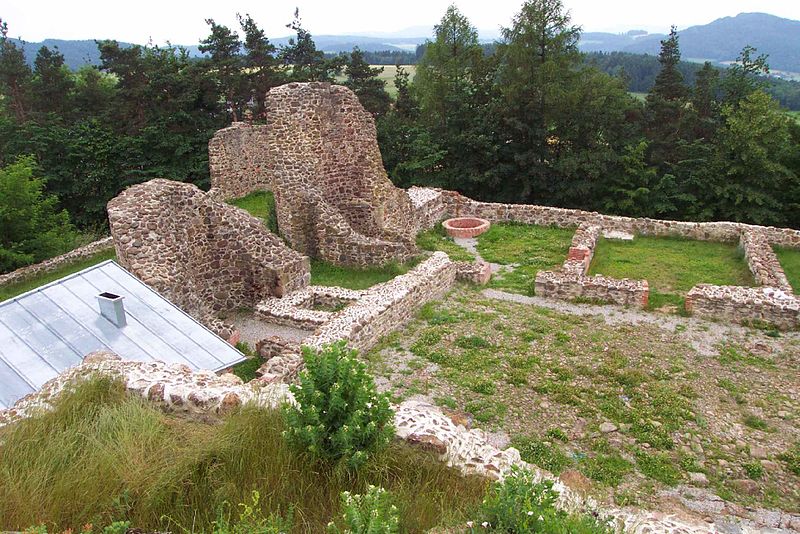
(449, 438)
(205, 256)
(52, 264)
(318, 153)
(745, 305)
(237, 160)
(377, 312)
(763, 262)
(459, 205)
(572, 283)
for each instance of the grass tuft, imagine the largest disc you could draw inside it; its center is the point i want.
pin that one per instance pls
(102, 456)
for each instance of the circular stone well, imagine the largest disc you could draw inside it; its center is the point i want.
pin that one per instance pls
(465, 227)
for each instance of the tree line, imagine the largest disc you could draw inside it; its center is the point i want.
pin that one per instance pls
(535, 122)
(527, 119)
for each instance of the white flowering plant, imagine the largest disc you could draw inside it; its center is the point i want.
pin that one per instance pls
(371, 513)
(521, 504)
(339, 416)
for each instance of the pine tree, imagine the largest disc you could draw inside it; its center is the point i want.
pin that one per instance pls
(260, 62)
(226, 65)
(666, 105)
(15, 75)
(363, 80)
(52, 83)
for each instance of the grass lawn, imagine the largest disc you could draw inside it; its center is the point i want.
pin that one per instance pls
(528, 248)
(259, 204)
(104, 456)
(549, 380)
(326, 274)
(672, 266)
(437, 239)
(12, 290)
(790, 261)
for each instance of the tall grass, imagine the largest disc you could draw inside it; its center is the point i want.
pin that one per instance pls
(102, 456)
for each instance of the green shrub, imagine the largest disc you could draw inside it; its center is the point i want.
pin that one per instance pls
(339, 415)
(252, 520)
(792, 459)
(754, 470)
(545, 455)
(372, 513)
(519, 504)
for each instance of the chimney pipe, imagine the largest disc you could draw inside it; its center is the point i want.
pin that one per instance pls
(111, 308)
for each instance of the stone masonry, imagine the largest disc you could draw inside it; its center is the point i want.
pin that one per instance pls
(318, 153)
(205, 256)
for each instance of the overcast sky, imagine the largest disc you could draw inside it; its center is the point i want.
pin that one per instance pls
(140, 21)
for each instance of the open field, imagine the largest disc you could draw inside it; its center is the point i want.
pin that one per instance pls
(388, 74)
(104, 456)
(672, 266)
(13, 290)
(635, 408)
(795, 115)
(790, 261)
(527, 249)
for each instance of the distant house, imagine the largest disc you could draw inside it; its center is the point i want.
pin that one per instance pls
(47, 330)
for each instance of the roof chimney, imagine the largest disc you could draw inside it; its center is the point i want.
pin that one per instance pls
(111, 308)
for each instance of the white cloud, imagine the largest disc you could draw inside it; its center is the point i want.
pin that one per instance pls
(183, 22)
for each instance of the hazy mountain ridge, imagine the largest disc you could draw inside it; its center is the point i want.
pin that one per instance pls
(719, 41)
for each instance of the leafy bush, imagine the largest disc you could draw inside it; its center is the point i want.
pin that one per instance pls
(372, 513)
(792, 459)
(520, 504)
(33, 229)
(252, 520)
(339, 415)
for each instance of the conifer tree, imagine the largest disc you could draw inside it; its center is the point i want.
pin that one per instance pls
(363, 80)
(666, 104)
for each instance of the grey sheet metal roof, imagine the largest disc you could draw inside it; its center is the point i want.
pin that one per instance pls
(47, 330)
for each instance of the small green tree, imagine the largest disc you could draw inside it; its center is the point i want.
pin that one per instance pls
(31, 227)
(339, 415)
(372, 513)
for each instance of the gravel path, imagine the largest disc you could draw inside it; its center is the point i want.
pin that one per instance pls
(254, 330)
(704, 336)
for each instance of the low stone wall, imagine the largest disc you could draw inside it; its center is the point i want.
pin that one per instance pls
(459, 205)
(296, 309)
(745, 305)
(47, 266)
(571, 282)
(763, 262)
(385, 307)
(176, 388)
(429, 207)
(378, 311)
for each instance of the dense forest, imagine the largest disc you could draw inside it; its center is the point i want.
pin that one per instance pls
(528, 119)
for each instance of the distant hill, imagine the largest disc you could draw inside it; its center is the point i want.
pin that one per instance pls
(80, 53)
(719, 42)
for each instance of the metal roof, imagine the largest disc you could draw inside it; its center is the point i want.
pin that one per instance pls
(45, 331)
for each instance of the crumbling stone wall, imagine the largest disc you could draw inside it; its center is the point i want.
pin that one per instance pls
(571, 282)
(763, 261)
(318, 153)
(745, 305)
(238, 160)
(205, 256)
(461, 206)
